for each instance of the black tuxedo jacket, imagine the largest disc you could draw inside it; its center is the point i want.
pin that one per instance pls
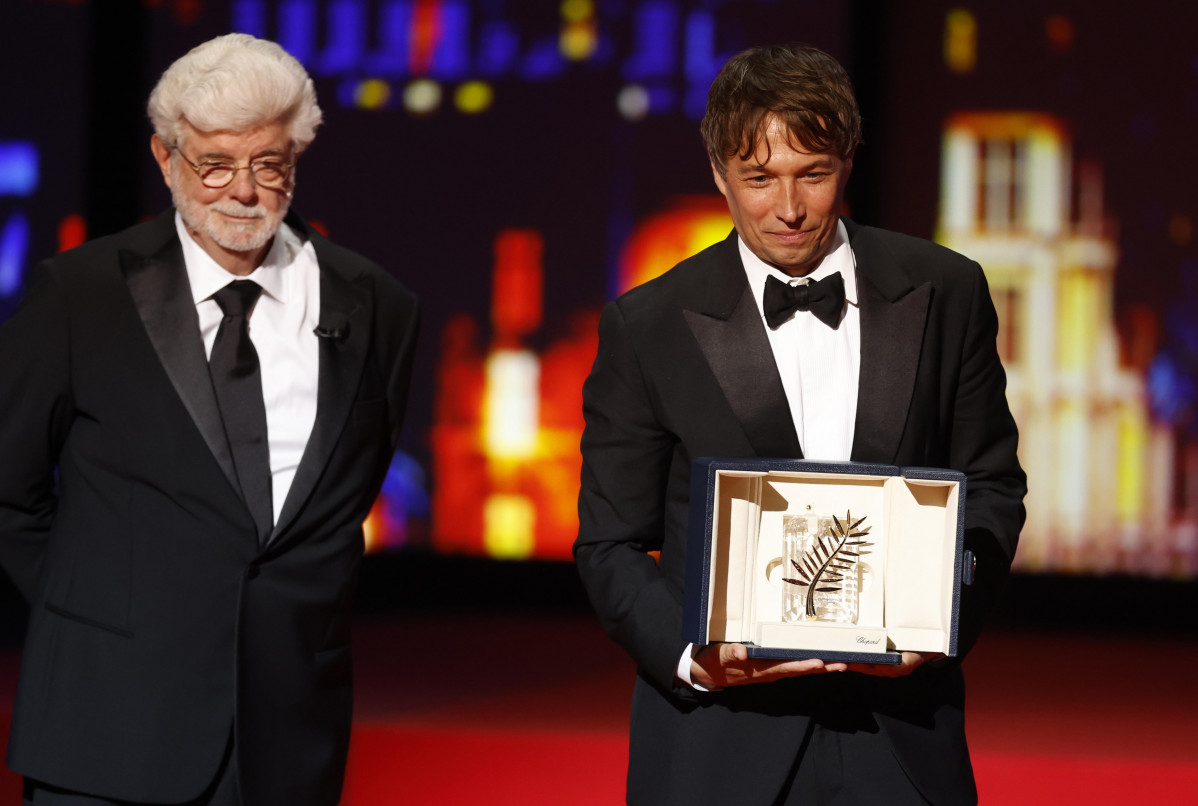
(684, 369)
(158, 627)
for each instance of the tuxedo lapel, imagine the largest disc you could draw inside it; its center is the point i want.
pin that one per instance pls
(893, 317)
(162, 295)
(346, 313)
(727, 325)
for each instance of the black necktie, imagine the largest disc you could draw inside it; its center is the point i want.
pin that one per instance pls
(238, 382)
(824, 298)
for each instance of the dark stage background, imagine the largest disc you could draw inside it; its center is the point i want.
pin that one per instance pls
(517, 164)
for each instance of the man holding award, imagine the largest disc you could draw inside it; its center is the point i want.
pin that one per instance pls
(801, 335)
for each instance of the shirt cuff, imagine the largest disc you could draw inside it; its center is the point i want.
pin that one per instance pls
(683, 672)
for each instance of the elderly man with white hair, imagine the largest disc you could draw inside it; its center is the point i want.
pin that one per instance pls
(195, 417)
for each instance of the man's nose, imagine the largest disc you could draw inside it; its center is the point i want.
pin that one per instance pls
(791, 206)
(243, 188)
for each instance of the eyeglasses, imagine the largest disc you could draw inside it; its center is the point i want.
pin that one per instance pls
(268, 172)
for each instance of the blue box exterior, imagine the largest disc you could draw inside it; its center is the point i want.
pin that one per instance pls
(700, 530)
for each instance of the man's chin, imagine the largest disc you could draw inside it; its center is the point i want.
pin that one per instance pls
(241, 243)
(244, 238)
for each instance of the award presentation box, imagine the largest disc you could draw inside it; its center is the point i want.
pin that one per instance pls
(909, 568)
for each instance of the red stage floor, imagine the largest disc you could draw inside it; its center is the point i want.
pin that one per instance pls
(532, 709)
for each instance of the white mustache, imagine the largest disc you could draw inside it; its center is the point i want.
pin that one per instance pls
(239, 210)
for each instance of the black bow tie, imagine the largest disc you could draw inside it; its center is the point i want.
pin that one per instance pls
(824, 298)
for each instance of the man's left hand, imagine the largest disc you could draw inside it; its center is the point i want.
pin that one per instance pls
(911, 662)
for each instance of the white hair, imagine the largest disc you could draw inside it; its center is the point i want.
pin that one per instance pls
(235, 82)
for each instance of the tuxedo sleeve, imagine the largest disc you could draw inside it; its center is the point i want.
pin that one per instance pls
(36, 409)
(984, 443)
(399, 376)
(626, 455)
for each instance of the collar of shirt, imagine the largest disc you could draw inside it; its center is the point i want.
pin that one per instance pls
(206, 276)
(839, 259)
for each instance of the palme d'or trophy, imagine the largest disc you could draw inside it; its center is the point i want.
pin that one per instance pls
(825, 553)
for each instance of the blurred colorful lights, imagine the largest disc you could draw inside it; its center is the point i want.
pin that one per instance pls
(961, 41)
(18, 169)
(373, 93)
(670, 50)
(422, 96)
(633, 102)
(473, 97)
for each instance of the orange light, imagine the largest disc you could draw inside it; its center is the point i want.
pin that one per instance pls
(1059, 31)
(665, 239)
(1181, 229)
(372, 527)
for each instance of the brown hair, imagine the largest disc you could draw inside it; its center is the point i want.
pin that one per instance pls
(805, 88)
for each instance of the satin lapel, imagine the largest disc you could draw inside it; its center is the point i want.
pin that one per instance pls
(160, 290)
(346, 314)
(729, 330)
(894, 314)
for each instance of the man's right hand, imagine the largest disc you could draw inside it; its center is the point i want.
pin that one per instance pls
(721, 665)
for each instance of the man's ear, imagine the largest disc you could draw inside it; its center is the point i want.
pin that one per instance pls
(720, 182)
(162, 156)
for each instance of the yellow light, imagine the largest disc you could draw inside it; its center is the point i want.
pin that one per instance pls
(1133, 440)
(373, 93)
(1078, 320)
(473, 97)
(578, 41)
(508, 524)
(511, 404)
(960, 41)
(706, 231)
(422, 96)
(577, 10)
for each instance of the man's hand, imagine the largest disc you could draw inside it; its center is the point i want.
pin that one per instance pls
(911, 662)
(719, 665)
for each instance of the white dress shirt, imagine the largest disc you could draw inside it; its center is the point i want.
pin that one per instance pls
(282, 327)
(819, 366)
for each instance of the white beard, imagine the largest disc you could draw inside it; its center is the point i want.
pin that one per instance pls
(236, 237)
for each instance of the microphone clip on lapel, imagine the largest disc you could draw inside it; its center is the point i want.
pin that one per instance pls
(335, 328)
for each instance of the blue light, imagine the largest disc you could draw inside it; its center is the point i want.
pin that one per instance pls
(451, 58)
(14, 243)
(404, 489)
(395, 32)
(701, 62)
(18, 169)
(249, 17)
(655, 41)
(499, 45)
(1171, 392)
(543, 61)
(297, 29)
(346, 37)
(347, 93)
(605, 51)
(694, 104)
(662, 99)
